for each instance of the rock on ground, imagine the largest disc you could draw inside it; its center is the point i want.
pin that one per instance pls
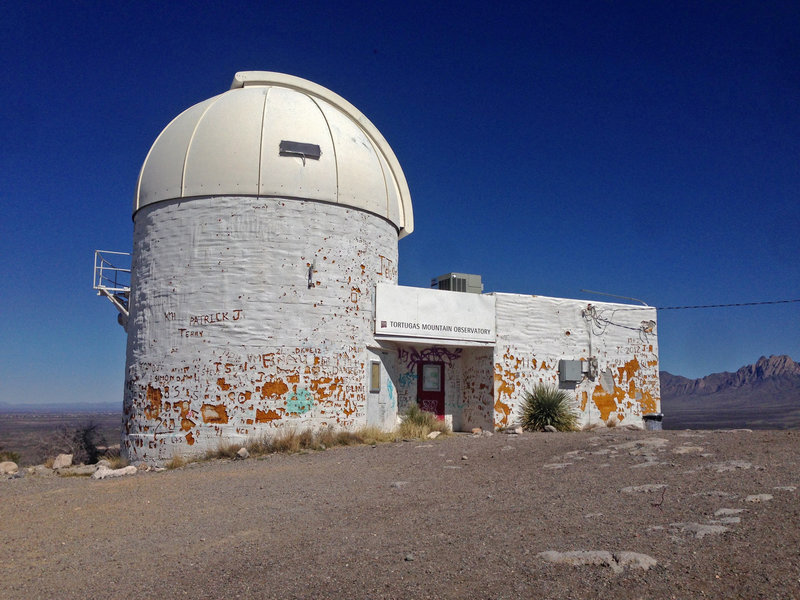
(647, 487)
(8, 467)
(698, 529)
(105, 472)
(759, 498)
(62, 461)
(616, 561)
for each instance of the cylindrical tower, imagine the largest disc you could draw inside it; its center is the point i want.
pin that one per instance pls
(263, 219)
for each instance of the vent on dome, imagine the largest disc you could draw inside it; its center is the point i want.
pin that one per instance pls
(288, 148)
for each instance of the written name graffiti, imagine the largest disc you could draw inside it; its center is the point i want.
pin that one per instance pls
(203, 320)
(215, 317)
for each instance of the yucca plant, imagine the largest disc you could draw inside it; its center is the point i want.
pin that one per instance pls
(546, 405)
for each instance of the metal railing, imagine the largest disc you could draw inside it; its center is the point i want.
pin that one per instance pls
(108, 276)
(112, 281)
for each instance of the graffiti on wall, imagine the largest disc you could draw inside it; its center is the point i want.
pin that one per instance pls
(477, 399)
(626, 386)
(226, 338)
(408, 357)
(411, 357)
(242, 394)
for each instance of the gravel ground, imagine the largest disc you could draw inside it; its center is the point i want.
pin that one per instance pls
(463, 517)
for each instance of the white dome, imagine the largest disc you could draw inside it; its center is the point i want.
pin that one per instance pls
(281, 136)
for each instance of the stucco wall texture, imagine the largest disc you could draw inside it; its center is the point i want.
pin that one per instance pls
(535, 332)
(247, 314)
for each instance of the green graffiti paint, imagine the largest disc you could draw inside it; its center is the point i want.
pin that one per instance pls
(406, 379)
(300, 402)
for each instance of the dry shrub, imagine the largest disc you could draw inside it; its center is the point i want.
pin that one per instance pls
(116, 461)
(348, 438)
(613, 421)
(291, 440)
(176, 462)
(418, 423)
(259, 446)
(223, 450)
(305, 439)
(286, 440)
(373, 435)
(326, 438)
(8, 455)
(591, 426)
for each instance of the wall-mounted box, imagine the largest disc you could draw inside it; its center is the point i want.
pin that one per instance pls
(569, 371)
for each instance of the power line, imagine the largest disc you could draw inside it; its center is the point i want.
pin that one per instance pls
(727, 305)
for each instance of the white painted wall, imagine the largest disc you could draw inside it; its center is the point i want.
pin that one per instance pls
(535, 332)
(227, 340)
(382, 404)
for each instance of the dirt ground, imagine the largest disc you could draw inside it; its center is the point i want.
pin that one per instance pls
(463, 517)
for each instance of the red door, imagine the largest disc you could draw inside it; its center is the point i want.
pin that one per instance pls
(430, 387)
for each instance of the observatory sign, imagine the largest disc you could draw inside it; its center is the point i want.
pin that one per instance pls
(421, 313)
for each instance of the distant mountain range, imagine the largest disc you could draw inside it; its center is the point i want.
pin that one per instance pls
(765, 395)
(56, 408)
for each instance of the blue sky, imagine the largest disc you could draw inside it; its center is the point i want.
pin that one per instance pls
(646, 149)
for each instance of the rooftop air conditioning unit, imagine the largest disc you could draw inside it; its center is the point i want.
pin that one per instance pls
(458, 282)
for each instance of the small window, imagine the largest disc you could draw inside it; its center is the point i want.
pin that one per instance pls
(431, 378)
(375, 376)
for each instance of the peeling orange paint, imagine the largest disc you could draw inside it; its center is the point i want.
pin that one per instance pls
(273, 389)
(325, 387)
(584, 400)
(606, 402)
(214, 413)
(504, 409)
(154, 399)
(649, 403)
(190, 438)
(630, 369)
(222, 385)
(187, 424)
(503, 388)
(266, 417)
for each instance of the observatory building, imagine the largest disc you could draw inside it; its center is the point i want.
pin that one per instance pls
(263, 292)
